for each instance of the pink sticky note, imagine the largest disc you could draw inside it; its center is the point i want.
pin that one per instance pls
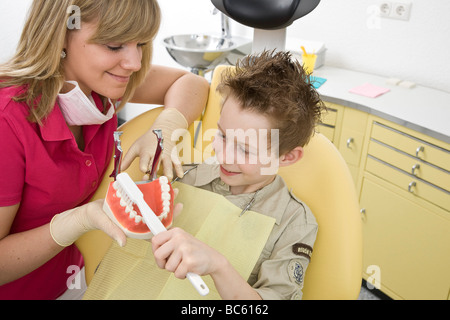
(369, 90)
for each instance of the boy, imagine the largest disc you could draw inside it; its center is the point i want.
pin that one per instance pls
(268, 97)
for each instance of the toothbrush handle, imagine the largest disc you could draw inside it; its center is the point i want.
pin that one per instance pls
(156, 227)
(198, 283)
(150, 219)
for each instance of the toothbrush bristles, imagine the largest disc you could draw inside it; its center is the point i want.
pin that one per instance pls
(125, 197)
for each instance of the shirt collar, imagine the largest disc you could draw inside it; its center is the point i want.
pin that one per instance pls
(275, 207)
(277, 190)
(55, 128)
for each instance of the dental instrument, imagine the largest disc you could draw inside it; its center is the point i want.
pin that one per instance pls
(117, 155)
(153, 172)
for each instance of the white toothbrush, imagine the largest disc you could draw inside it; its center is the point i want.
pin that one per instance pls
(131, 194)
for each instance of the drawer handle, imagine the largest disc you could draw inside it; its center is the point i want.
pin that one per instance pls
(414, 168)
(349, 142)
(419, 150)
(363, 214)
(411, 186)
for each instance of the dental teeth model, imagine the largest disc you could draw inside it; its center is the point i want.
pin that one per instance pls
(159, 196)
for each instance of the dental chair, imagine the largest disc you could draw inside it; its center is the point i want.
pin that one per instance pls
(321, 179)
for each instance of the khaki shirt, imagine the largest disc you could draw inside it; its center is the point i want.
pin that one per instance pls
(280, 270)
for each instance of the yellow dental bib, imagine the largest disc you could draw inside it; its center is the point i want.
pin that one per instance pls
(131, 273)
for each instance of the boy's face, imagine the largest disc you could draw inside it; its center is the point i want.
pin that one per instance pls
(246, 148)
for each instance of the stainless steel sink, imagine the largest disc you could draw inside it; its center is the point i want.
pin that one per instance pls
(201, 52)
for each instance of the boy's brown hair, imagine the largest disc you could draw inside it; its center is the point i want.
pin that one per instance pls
(273, 84)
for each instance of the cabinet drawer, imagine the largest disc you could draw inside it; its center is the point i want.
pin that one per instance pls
(355, 120)
(351, 145)
(327, 131)
(420, 169)
(410, 183)
(353, 131)
(411, 145)
(330, 117)
(329, 120)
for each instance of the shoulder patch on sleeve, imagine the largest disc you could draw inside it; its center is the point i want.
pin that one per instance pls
(296, 274)
(302, 250)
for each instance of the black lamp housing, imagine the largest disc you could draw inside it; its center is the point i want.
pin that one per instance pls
(266, 14)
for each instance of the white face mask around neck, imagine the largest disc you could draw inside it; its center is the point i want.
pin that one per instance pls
(79, 110)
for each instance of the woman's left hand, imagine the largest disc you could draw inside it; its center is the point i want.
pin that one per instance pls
(169, 121)
(184, 96)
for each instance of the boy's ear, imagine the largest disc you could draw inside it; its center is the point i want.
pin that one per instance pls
(291, 157)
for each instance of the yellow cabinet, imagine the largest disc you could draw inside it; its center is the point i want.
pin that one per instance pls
(407, 242)
(354, 125)
(415, 167)
(405, 196)
(412, 145)
(403, 179)
(409, 183)
(331, 122)
(410, 161)
(346, 128)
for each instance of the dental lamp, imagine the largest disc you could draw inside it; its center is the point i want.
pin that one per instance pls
(269, 18)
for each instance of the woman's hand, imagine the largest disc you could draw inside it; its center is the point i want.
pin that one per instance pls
(169, 121)
(68, 226)
(184, 96)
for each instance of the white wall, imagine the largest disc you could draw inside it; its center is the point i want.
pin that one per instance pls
(415, 50)
(356, 39)
(12, 17)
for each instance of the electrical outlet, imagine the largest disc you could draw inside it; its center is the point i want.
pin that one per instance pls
(385, 9)
(401, 10)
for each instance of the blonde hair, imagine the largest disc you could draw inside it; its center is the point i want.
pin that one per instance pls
(37, 63)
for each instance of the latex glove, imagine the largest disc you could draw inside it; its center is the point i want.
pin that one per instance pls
(168, 121)
(67, 227)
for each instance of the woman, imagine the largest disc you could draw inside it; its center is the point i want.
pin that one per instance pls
(57, 118)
